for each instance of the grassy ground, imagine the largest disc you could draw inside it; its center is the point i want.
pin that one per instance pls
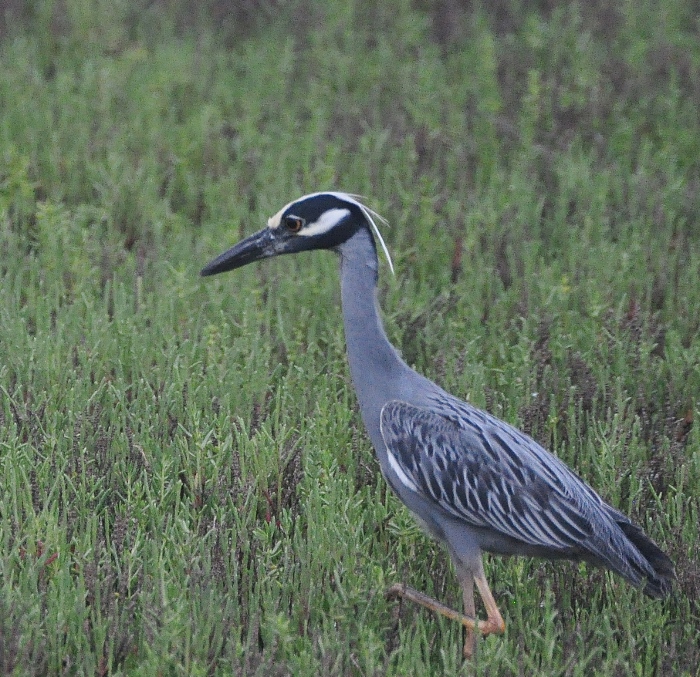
(186, 485)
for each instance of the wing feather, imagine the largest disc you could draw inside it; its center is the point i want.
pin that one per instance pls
(476, 473)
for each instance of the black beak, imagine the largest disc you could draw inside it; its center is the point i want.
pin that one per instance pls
(258, 246)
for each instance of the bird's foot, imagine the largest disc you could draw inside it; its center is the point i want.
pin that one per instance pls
(401, 590)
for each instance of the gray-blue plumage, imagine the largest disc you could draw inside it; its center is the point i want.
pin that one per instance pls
(510, 494)
(476, 483)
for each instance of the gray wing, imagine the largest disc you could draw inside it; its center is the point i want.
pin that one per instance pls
(488, 475)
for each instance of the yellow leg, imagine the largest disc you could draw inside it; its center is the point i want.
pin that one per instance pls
(469, 610)
(494, 624)
(403, 591)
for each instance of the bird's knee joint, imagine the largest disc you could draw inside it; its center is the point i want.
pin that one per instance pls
(396, 591)
(498, 625)
(492, 626)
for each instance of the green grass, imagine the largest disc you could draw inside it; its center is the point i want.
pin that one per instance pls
(186, 484)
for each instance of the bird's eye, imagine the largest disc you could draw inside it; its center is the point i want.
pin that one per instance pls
(293, 223)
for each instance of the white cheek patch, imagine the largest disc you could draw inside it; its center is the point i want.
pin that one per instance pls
(325, 222)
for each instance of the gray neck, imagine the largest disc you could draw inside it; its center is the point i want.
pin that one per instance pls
(378, 372)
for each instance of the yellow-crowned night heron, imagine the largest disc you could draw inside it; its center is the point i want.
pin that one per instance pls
(474, 482)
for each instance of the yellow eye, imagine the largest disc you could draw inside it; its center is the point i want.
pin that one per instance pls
(293, 223)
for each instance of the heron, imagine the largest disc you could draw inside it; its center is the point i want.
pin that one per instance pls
(473, 482)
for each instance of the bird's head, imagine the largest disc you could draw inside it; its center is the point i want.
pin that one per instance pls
(316, 221)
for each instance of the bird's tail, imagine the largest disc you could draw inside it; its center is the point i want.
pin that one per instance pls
(658, 583)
